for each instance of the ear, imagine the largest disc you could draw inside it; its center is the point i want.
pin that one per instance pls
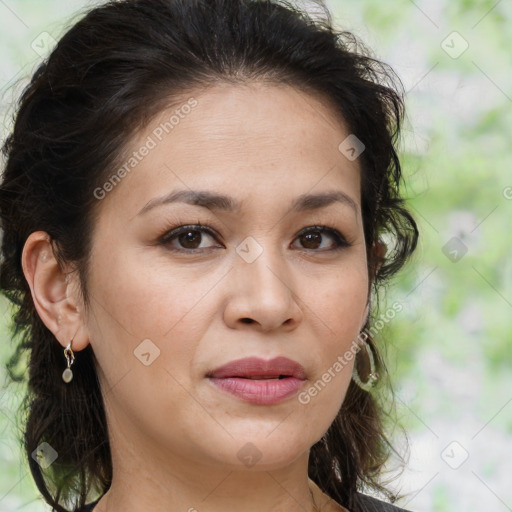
(379, 250)
(55, 291)
(377, 259)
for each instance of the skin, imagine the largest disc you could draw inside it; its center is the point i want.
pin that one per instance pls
(174, 436)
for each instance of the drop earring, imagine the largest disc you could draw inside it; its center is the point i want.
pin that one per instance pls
(67, 374)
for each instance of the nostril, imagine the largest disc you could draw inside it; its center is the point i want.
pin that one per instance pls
(247, 320)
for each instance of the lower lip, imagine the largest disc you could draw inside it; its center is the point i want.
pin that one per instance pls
(261, 392)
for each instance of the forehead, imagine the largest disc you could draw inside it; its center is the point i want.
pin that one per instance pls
(244, 140)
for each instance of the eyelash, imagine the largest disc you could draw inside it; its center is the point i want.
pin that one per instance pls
(170, 234)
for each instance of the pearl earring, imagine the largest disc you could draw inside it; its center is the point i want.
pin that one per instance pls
(67, 374)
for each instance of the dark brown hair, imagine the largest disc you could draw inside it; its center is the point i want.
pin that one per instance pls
(108, 76)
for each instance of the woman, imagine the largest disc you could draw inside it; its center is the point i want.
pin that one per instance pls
(193, 207)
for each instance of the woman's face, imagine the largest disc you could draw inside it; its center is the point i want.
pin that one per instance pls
(250, 282)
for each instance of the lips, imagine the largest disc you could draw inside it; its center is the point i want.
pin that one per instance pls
(259, 369)
(259, 382)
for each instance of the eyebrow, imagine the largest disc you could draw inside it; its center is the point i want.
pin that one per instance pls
(220, 202)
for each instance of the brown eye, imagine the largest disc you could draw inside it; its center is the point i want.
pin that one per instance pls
(190, 239)
(311, 240)
(187, 238)
(313, 237)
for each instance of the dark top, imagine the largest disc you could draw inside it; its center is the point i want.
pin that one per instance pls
(375, 505)
(370, 505)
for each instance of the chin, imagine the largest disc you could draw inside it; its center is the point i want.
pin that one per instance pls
(267, 452)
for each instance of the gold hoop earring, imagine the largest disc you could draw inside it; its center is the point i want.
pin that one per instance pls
(67, 374)
(373, 376)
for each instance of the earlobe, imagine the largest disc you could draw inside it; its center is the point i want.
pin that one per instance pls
(50, 289)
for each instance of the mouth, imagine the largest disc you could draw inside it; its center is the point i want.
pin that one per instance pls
(259, 382)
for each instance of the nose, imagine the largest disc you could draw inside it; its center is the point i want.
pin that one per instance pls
(262, 293)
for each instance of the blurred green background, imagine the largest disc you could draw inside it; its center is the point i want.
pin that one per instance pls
(450, 349)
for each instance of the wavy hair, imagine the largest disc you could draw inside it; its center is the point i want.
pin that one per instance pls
(109, 75)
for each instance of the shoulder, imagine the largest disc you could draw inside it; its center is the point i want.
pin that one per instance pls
(370, 504)
(365, 503)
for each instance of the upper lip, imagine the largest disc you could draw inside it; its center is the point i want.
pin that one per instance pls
(257, 367)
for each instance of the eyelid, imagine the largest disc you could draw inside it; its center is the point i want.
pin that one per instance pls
(332, 231)
(176, 230)
(341, 241)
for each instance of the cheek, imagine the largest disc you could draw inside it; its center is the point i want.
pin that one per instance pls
(347, 315)
(145, 325)
(340, 298)
(146, 299)
(340, 305)
(134, 301)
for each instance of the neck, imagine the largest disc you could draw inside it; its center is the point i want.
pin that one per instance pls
(230, 492)
(160, 481)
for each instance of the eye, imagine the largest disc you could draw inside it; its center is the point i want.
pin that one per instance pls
(313, 237)
(188, 238)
